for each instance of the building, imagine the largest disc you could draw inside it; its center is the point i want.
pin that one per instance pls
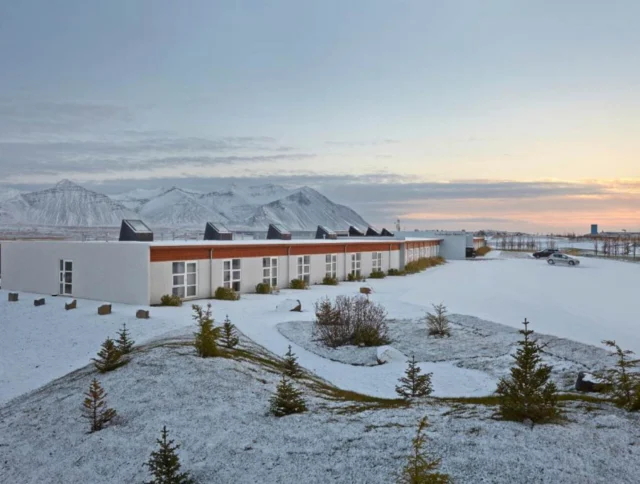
(142, 272)
(454, 245)
(594, 229)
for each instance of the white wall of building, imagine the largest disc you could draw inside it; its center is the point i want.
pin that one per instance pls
(103, 271)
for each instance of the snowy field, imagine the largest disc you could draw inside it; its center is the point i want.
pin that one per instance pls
(587, 304)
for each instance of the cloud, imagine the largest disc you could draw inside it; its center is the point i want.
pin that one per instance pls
(354, 144)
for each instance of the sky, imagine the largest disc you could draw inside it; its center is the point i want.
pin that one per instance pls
(500, 114)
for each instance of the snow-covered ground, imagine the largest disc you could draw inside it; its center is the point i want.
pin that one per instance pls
(589, 303)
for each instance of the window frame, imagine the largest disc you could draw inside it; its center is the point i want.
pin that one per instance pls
(63, 282)
(331, 265)
(268, 276)
(356, 264)
(235, 274)
(376, 261)
(184, 289)
(303, 268)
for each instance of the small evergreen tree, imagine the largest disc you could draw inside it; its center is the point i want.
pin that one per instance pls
(622, 383)
(109, 357)
(125, 343)
(438, 323)
(414, 384)
(420, 468)
(229, 336)
(94, 407)
(207, 334)
(164, 464)
(287, 399)
(528, 393)
(290, 366)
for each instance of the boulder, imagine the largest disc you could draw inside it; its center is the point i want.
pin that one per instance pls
(366, 290)
(13, 297)
(589, 383)
(387, 354)
(289, 305)
(104, 309)
(142, 314)
(38, 302)
(72, 305)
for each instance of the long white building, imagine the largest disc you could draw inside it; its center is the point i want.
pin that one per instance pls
(142, 272)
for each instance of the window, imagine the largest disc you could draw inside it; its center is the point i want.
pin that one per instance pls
(304, 268)
(409, 255)
(66, 277)
(331, 269)
(376, 261)
(185, 279)
(270, 271)
(356, 263)
(231, 274)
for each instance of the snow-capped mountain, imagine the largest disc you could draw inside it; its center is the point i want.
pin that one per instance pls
(69, 204)
(8, 194)
(66, 204)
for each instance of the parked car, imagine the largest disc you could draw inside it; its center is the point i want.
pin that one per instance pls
(544, 253)
(558, 258)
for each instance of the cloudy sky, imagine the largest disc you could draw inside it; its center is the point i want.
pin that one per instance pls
(459, 114)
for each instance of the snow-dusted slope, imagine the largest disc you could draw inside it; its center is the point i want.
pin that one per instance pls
(305, 209)
(66, 204)
(177, 207)
(8, 193)
(135, 199)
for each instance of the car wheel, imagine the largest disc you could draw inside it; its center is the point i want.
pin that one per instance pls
(536, 256)
(571, 263)
(551, 262)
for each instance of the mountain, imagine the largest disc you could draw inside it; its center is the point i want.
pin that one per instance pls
(7, 194)
(305, 209)
(255, 207)
(66, 204)
(178, 207)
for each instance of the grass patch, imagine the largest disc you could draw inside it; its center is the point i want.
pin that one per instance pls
(483, 250)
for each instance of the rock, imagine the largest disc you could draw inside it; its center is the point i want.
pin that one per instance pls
(298, 307)
(387, 354)
(72, 305)
(38, 302)
(13, 297)
(588, 383)
(104, 309)
(289, 305)
(142, 314)
(366, 290)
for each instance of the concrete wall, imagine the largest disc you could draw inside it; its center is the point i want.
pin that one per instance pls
(452, 247)
(104, 271)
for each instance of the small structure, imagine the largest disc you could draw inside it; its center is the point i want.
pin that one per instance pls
(325, 233)
(594, 229)
(355, 231)
(386, 233)
(38, 302)
(142, 314)
(278, 232)
(371, 232)
(135, 231)
(217, 231)
(13, 297)
(342, 233)
(104, 309)
(72, 305)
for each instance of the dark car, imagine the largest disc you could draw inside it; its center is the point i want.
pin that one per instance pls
(470, 252)
(544, 253)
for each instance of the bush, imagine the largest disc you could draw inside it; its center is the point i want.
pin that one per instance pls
(330, 281)
(229, 335)
(396, 272)
(109, 357)
(226, 294)
(421, 264)
(263, 288)
(170, 300)
(287, 400)
(420, 467)
(438, 323)
(483, 250)
(297, 284)
(623, 382)
(164, 464)
(350, 321)
(413, 384)
(351, 277)
(94, 407)
(207, 335)
(377, 275)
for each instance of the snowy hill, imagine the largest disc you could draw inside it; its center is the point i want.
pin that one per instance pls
(254, 207)
(8, 194)
(66, 204)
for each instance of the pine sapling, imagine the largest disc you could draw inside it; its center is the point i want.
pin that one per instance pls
(164, 464)
(109, 357)
(125, 343)
(207, 335)
(528, 393)
(287, 399)
(438, 322)
(420, 468)
(290, 365)
(413, 384)
(229, 336)
(94, 407)
(622, 382)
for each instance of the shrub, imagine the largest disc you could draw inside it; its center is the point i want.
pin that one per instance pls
(287, 400)
(622, 382)
(483, 250)
(229, 336)
(528, 393)
(170, 300)
(297, 284)
(164, 464)
(438, 323)
(207, 335)
(124, 343)
(351, 277)
(109, 357)
(396, 272)
(377, 275)
(413, 384)
(421, 264)
(226, 294)
(330, 281)
(290, 365)
(263, 288)
(350, 321)
(420, 468)
(94, 407)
